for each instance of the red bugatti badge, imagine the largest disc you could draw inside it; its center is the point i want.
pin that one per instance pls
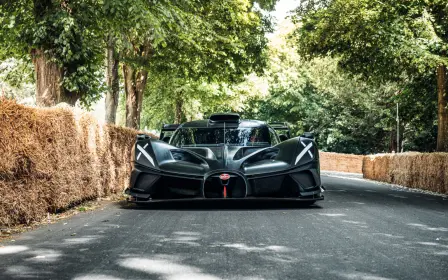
(224, 177)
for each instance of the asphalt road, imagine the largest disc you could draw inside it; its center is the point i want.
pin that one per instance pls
(362, 230)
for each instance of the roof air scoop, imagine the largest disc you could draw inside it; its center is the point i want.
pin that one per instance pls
(225, 117)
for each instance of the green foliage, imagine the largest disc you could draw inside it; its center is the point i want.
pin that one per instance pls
(315, 96)
(346, 112)
(336, 72)
(222, 43)
(199, 99)
(398, 41)
(16, 79)
(220, 40)
(69, 34)
(379, 39)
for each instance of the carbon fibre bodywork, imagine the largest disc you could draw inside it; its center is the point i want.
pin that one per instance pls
(289, 169)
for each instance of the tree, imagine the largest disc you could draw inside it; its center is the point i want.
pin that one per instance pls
(315, 96)
(112, 80)
(202, 49)
(62, 39)
(346, 112)
(198, 98)
(400, 41)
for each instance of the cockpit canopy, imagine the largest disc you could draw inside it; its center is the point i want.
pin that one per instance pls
(224, 129)
(241, 136)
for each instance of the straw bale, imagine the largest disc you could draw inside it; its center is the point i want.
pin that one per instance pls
(427, 171)
(54, 158)
(341, 162)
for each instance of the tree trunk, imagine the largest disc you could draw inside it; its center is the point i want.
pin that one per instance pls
(442, 133)
(49, 75)
(112, 82)
(179, 104)
(48, 79)
(393, 141)
(134, 84)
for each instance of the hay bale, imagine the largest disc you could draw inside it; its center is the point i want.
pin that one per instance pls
(340, 162)
(53, 158)
(427, 171)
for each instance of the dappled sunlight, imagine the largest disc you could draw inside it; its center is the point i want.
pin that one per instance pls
(425, 227)
(187, 233)
(156, 266)
(435, 244)
(23, 271)
(281, 249)
(12, 249)
(353, 222)
(332, 214)
(246, 248)
(192, 276)
(188, 240)
(183, 237)
(388, 235)
(247, 278)
(166, 268)
(44, 255)
(96, 277)
(361, 276)
(81, 240)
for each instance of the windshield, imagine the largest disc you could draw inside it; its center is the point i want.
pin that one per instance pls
(258, 136)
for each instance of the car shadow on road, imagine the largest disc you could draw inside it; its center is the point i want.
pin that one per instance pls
(222, 205)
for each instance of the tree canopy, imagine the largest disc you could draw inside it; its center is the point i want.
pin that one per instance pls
(67, 31)
(400, 41)
(338, 69)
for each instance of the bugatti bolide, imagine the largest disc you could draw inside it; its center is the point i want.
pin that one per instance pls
(225, 157)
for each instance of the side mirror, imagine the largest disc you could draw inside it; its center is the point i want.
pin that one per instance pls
(307, 135)
(166, 139)
(283, 137)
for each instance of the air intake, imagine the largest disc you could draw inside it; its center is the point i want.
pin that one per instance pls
(225, 117)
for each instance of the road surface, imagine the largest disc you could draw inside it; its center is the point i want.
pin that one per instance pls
(363, 230)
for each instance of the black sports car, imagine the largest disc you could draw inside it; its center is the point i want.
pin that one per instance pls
(225, 157)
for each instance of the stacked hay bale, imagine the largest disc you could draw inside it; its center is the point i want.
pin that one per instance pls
(427, 171)
(53, 158)
(341, 162)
